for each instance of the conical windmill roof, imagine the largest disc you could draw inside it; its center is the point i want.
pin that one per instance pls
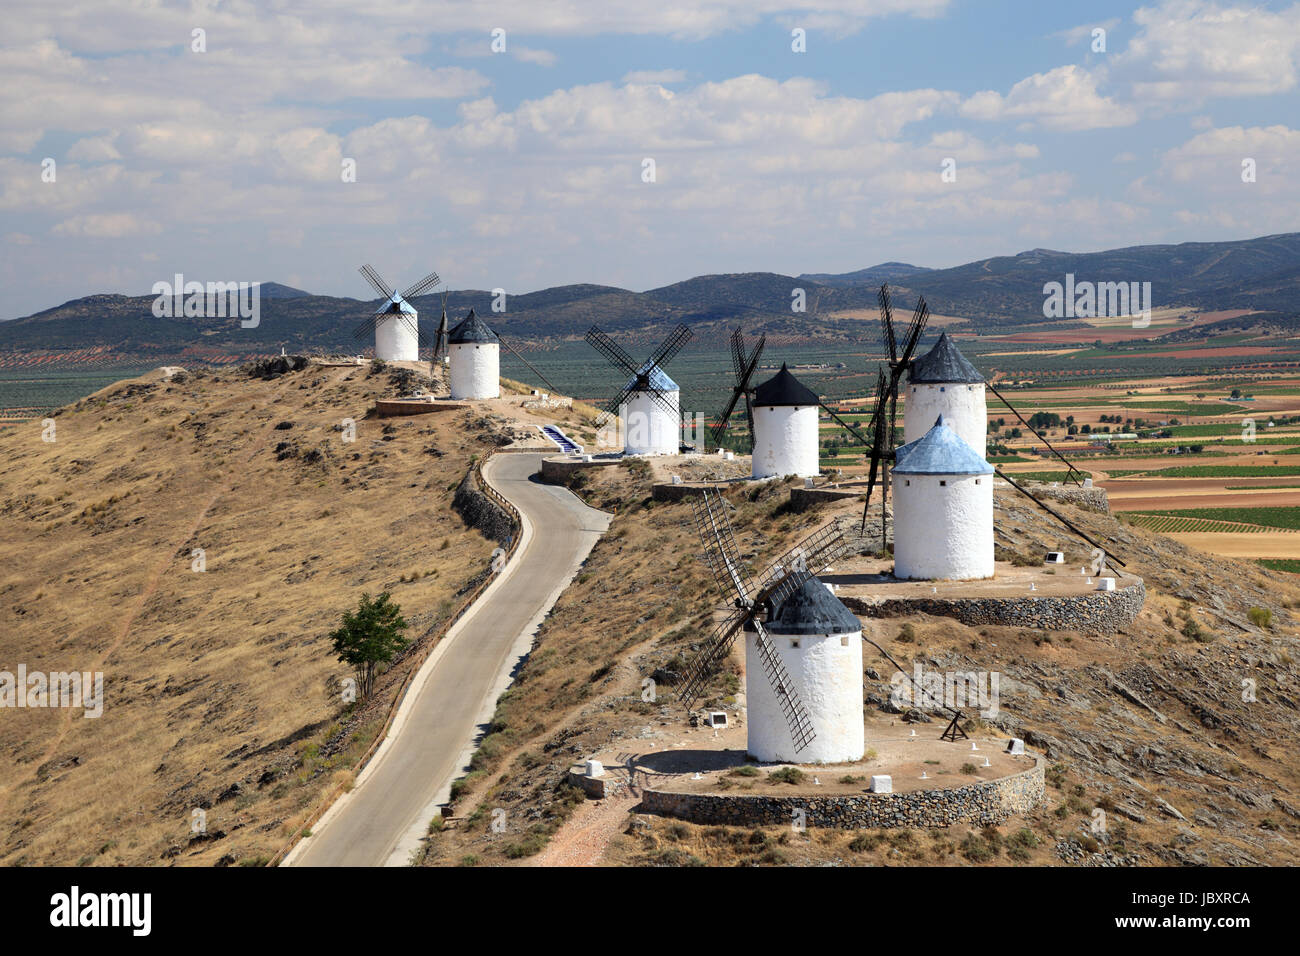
(472, 329)
(943, 363)
(940, 451)
(397, 304)
(812, 609)
(657, 378)
(784, 389)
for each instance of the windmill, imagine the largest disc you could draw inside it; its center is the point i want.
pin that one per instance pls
(755, 598)
(744, 363)
(396, 323)
(651, 401)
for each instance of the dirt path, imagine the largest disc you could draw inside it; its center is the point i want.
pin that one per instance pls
(585, 836)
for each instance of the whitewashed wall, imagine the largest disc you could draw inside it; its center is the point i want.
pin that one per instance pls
(827, 669)
(943, 531)
(475, 370)
(785, 441)
(962, 406)
(649, 428)
(395, 340)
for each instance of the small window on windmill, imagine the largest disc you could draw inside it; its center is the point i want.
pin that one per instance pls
(908, 482)
(942, 483)
(844, 641)
(943, 388)
(794, 642)
(716, 718)
(977, 481)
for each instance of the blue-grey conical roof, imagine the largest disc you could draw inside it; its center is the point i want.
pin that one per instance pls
(940, 451)
(784, 389)
(812, 609)
(657, 378)
(943, 363)
(471, 329)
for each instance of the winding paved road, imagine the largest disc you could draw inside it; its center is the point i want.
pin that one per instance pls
(380, 822)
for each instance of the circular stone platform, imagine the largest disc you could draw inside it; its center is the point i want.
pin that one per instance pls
(709, 780)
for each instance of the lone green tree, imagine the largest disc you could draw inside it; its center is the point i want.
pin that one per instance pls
(370, 637)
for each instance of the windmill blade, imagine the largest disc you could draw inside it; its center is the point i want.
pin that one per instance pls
(745, 372)
(914, 332)
(677, 338)
(887, 324)
(1109, 556)
(521, 358)
(440, 347)
(720, 429)
(750, 369)
(367, 327)
(612, 351)
(618, 401)
(411, 322)
(720, 551)
(712, 653)
(810, 556)
(877, 444)
(421, 287)
(660, 399)
(378, 284)
(787, 694)
(738, 353)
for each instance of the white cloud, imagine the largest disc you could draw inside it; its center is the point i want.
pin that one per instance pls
(1190, 49)
(1065, 98)
(94, 149)
(655, 76)
(115, 225)
(537, 57)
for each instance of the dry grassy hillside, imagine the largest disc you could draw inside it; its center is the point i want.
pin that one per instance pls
(215, 682)
(1148, 725)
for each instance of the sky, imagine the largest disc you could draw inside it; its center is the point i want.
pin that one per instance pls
(508, 144)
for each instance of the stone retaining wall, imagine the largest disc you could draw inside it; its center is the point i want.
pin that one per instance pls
(801, 499)
(1102, 612)
(481, 512)
(986, 803)
(1094, 499)
(556, 470)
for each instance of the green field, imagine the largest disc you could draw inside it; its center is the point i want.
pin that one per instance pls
(1291, 565)
(1222, 519)
(1215, 471)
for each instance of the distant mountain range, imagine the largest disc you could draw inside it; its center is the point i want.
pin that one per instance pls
(1003, 291)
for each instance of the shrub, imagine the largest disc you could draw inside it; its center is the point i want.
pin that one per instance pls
(906, 634)
(969, 769)
(791, 775)
(1261, 617)
(865, 841)
(976, 850)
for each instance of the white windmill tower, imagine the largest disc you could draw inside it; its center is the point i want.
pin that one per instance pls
(943, 382)
(474, 359)
(785, 428)
(943, 508)
(396, 323)
(650, 401)
(819, 641)
(803, 647)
